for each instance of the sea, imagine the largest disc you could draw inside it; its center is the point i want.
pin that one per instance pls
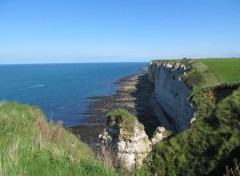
(62, 90)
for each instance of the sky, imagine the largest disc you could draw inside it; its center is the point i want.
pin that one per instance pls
(69, 31)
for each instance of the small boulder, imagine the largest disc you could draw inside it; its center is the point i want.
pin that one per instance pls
(160, 134)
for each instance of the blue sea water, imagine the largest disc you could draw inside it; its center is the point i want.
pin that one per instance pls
(61, 90)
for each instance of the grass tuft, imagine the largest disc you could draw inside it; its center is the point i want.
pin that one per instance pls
(123, 118)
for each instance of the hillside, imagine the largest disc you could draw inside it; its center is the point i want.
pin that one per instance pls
(212, 141)
(29, 145)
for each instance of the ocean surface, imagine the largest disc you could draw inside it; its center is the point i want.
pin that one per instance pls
(61, 90)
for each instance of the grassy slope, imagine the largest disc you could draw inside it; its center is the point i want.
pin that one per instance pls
(212, 72)
(211, 138)
(226, 70)
(200, 76)
(31, 146)
(215, 134)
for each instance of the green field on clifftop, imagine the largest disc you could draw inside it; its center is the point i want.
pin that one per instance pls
(226, 70)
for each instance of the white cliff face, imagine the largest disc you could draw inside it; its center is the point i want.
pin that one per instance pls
(171, 93)
(127, 148)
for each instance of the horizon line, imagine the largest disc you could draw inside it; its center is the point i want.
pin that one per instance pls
(102, 62)
(55, 63)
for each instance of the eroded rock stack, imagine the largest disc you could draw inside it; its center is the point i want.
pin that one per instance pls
(128, 146)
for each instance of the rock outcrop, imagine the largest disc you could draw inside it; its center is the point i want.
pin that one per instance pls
(171, 92)
(159, 135)
(128, 147)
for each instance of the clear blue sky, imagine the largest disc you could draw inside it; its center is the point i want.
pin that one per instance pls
(46, 31)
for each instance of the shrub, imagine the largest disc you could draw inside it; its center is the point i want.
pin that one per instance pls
(194, 78)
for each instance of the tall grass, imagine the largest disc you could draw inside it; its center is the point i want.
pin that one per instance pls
(29, 145)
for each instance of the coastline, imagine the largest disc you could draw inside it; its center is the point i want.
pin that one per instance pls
(134, 94)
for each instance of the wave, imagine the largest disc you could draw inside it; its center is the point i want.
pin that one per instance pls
(32, 87)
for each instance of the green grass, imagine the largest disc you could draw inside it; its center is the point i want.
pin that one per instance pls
(200, 76)
(226, 70)
(198, 150)
(29, 145)
(123, 118)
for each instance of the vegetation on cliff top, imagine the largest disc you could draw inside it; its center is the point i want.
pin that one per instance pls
(123, 118)
(226, 70)
(29, 145)
(209, 72)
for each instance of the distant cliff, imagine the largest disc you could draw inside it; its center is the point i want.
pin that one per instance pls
(172, 93)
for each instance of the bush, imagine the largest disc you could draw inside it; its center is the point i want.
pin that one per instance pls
(194, 78)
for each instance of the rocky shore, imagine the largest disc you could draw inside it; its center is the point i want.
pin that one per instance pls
(134, 95)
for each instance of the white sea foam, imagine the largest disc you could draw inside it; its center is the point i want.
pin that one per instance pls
(32, 87)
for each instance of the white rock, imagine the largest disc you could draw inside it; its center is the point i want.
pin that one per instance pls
(158, 135)
(193, 120)
(128, 146)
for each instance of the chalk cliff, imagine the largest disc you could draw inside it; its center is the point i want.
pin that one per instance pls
(172, 93)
